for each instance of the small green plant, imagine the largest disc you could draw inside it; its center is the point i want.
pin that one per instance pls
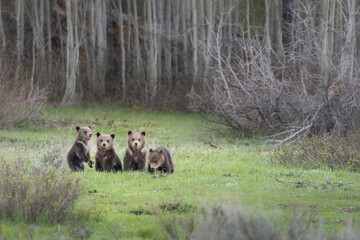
(32, 190)
(334, 152)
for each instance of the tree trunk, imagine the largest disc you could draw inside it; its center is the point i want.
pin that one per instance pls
(2, 33)
(195, 44)
(122, 46)
(19, 38)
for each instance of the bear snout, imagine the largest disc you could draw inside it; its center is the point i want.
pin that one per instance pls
(104, 144)
(136, 144)
(90, 134)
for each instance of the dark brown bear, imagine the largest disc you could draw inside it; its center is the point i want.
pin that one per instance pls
(80, 151)
(135, 154)
(106, 158)
(160, 160)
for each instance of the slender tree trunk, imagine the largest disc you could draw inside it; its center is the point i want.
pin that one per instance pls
(138, 58)
(2, 32)
(209, 37)
(195, 44)
(19, 38)
(176, 12)
(70, 55)
(267, 30)
(122, 46)
(167, 45)
(324, 44)
(49, 36)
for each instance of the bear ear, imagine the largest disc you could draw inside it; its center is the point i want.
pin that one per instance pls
(77, 128)
(143, 133)
(89, 127)
(151, 150)
(129, 132)
(98, 134)
(112, 135)
(160, 151)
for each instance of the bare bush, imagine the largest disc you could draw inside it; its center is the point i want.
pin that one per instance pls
(19, 102)
(294, 90)
(29, 191)
(335, 152)
(231, 221)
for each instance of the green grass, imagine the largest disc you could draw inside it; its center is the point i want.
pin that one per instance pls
(132, 202)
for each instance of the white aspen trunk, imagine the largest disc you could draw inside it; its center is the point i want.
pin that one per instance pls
(195, 44)
(347, 58)
(122, 46)
(49, 35)
(154, 73)
(137, 43)
(100, 21)
(248, 19)
(167, 45)
(324, 44)
(19, 38)
(128, 44)
(184, 36)
(209, 37)
(2, 32)
(176, 8)
(229, 32)
(70, 52)
(159, 19)
(267, 31)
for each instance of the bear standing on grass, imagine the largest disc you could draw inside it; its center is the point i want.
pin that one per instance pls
(106, 158)
(135, 154)
(160, 159)
(80, 151)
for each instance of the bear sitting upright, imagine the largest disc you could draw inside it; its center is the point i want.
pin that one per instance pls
(160, 159)
(135, 153)
(80, 151)
(106, 159)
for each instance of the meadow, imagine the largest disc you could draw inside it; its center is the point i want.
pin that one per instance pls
(212, 165)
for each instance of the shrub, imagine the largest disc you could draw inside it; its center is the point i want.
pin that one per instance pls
(31, 190)
(230, 221)
(19, 102)
(335, 152)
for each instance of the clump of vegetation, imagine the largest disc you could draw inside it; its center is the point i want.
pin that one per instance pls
(19, 102)
(43, 188)
(335, 152)
(230, 221)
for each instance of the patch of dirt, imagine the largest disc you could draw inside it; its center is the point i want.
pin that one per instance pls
(12, 140)
(141, 212)
(349, 209)
(177, 208)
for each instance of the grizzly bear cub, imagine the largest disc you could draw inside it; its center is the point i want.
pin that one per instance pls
(106, 158)
(135, 153)
(80, 151)
(160, 159)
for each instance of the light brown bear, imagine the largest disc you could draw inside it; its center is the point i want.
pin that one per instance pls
(160, 160)
(135, 153)
(106, 159)
(80, 151)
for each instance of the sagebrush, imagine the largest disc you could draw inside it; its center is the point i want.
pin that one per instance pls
(30, 190)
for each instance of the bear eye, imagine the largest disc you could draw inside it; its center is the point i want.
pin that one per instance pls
(139, 139)
(133, 139)
(107, 140)
(101, 140)
(85, 132)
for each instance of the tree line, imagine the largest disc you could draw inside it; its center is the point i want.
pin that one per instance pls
(159, 51)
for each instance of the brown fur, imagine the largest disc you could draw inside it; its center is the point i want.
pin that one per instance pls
(106, 159)
(160, 160)
(80, 151)
(135, 154)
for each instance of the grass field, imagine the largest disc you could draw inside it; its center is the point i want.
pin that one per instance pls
(212, 165)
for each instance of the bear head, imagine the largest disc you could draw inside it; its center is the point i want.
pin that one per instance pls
(156, 158)
(136, 141)
(83, 133)
(105, 142)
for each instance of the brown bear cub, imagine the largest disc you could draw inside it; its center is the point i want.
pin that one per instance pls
(106, 158)
(135, 154)
(80, 151)
(160, 159)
